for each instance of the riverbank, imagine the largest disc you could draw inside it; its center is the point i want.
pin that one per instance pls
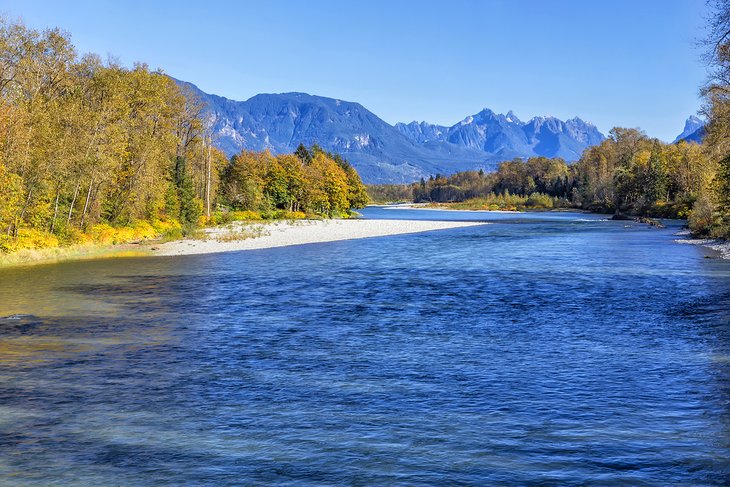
(234, 237)
(247, 236)
(73, 252)
(722, 247)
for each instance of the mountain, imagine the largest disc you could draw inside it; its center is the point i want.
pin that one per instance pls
(694, 130)
(506, 136)
(422, 132)
(380, 153)
(383, 153)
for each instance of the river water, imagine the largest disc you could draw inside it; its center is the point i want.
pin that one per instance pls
(552, 348)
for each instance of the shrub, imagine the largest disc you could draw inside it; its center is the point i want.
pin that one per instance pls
(27, 238)
(245, 215)
(539, 200)
(702, 216)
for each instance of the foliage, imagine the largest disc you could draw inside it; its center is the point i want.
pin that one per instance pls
(629, 172)
(389, 193)
(93, 151)
(309, 181)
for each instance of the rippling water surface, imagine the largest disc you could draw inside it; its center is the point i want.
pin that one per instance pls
(553, 348)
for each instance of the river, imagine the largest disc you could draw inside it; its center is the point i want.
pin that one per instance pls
(556, 348)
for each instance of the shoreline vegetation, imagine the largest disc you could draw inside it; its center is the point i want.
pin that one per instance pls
(629, 175)
(96, 158)
(94, 154)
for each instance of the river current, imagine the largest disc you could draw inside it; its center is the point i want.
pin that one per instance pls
(542, 348)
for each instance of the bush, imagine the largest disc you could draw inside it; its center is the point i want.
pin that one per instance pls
(27, 239)
(106, 234)
(71, 236)
(702, 216)
(539, 200)
(173, 233)
(245, 215)
(163, 226)
(289, 215)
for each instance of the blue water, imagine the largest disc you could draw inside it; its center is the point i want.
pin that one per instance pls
(551, 348)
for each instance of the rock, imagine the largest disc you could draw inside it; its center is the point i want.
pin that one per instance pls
(650, 221)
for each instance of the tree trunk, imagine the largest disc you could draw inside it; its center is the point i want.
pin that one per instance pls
(55, 213)
(207, 181)
(73, 202)
(86, 204)
(22, 213)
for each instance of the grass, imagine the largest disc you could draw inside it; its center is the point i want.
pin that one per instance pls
(242, 233)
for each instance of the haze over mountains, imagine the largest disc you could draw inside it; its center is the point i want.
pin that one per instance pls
(383, 153)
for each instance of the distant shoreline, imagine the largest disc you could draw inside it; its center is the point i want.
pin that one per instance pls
(428, 207)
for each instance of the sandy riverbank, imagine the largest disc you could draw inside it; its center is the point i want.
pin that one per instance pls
(281, 234)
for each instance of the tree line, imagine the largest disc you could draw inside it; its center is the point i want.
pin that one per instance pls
(627, 173)
(87, 146)
(309, 181)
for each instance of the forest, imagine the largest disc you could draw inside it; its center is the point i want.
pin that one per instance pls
(91, 151)
(628, 173)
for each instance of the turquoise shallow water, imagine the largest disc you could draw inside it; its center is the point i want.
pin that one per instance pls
(542, 348)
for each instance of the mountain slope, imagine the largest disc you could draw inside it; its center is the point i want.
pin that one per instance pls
(506, 136)
(422, 132)
(379, 151)
(694, 130)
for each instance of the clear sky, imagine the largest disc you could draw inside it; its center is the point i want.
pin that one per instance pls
(631, 63)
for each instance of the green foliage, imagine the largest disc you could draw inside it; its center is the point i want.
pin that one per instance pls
(190, 206)
(309, 181)
(702, 218)
(389, 193)
(539, 200)
(89, 149)
(95, 152)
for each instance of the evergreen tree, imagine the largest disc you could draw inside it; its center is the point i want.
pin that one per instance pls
(303, 154)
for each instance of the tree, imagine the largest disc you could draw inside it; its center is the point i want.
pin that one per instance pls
(717, 103)
(303, 154)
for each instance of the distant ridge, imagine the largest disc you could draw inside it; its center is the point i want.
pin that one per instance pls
(507, 136)
(381, 152)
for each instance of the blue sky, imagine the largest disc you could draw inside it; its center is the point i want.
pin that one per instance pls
(624, 62)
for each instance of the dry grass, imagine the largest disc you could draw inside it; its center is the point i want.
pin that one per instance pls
(242, 233)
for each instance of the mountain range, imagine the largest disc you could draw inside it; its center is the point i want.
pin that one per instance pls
(383, 153)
